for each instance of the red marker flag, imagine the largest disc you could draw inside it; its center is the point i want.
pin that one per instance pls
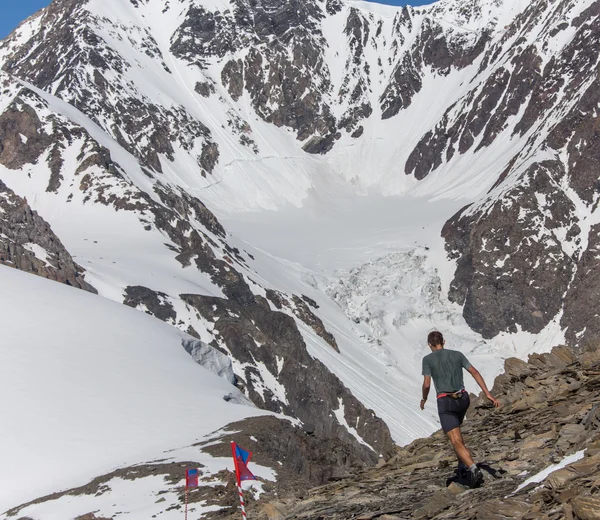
(191, 478)
(241, 458)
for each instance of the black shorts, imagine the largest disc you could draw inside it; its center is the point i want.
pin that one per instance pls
(452, 411)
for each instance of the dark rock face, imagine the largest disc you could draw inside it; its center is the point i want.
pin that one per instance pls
(526, 252)
(204, 33)
(232, 78)
(284, 86)
(305, 460)
(209, 157)
(28, 243)
(319, 145)
(357, 81)
(302, 311)
(205, 88)
(432, 49)
(261, 339)
(512, 270)
(399, 93)
(478, 119)
(581, 317)
(157, 303)
(22, 140)
(578, 134)
(333, 6)
(548, 412)
(188, 207)
(484, 113)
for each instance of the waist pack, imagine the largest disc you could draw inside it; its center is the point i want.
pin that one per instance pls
(455, 395)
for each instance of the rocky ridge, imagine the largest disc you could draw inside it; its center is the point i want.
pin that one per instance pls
(551, 409)
(28, 243)
(528, 243)
(285, 71)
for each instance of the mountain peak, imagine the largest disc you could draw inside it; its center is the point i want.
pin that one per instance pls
(310, 187)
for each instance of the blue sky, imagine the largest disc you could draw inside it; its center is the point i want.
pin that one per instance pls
(14, 11)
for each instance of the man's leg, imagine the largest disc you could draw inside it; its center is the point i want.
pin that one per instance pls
(461, 450)
(464, 456)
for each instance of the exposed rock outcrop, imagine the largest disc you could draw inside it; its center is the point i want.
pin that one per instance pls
(146, 129)
(498, 257)
(301, 460)
(28, 243)
(259, 339)
(301, 309)
(530, 243)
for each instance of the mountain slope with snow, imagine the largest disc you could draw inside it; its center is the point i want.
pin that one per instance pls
(310, 187)
(85, 380)
(154, 246)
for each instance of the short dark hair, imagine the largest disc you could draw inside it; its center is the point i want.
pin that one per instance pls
(435, 338)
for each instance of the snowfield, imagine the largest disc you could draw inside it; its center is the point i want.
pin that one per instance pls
(377, 268)
(84, 380)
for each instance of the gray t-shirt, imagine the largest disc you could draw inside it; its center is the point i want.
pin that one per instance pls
(445, 368)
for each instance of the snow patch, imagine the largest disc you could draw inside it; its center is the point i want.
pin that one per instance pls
(542, 475)
(340, 416)
(39, 252)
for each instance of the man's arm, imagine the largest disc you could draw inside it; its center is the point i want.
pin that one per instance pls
(426, 387)
(477, 376)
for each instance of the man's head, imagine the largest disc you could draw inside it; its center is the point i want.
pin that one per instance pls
(435, 340)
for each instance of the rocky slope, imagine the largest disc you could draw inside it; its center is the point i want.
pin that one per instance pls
(302, 460)
(529, 242)
(550, 410)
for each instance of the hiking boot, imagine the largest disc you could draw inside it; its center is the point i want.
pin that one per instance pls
(462, 470)
(475, 477)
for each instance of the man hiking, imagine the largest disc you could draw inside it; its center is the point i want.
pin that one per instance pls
(445, 367)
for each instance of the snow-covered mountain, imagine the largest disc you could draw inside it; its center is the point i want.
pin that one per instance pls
(311, 186)
(87, 379)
